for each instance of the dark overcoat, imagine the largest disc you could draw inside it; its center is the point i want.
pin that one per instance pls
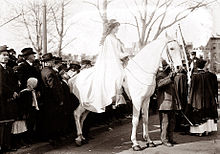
(166, 95)
(24, 71)
(8, 108)
(52, 100)
(202, 97)
(8, 85)
(181, 89)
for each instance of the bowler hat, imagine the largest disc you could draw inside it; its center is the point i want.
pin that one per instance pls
(12, 51)
(58, 59)
(47, 57)
(193, 53)
(3, 48)
(27, 51)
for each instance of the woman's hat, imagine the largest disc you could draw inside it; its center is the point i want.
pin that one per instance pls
(74, 65)
(27, 51)
(112, 24)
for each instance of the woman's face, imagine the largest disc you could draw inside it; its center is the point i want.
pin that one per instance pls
(115, 30)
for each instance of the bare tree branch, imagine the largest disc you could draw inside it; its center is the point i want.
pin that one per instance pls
(136, 20)
(55, 20)
(28, 31)
(69, 43)
(126, 23)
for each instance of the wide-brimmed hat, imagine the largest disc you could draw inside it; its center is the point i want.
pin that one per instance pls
(86, 62)
(112, 23)
(12, 51)
(74, 65)
(62, 67)
(58, 59)
(3, 48)
(193, 53)
(47, 57)
(27, 51)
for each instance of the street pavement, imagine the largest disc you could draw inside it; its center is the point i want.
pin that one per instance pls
(115, 138)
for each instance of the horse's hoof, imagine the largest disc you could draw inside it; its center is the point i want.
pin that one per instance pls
(137, 148)
(84, 141)
(151, 144)
(78, 143)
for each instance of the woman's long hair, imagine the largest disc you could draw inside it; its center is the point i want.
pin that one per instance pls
(109, 26)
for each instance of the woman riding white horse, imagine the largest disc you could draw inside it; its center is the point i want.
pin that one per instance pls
(107, 74)
(98, 86)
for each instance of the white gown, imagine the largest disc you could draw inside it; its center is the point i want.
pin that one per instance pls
(96, 86)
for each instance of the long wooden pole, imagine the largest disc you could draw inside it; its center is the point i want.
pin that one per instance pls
(44, 27)
(185, 55)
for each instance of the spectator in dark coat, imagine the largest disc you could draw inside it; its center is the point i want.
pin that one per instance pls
(202, 109)
(52, 99)
(181, 89)
(26, 68)
(68, 107)
(8, 94)
(167, 103)
(24, 71)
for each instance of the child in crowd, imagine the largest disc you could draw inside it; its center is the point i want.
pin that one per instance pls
(23, 127)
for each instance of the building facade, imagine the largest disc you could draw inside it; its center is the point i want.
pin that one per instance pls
(212, 54)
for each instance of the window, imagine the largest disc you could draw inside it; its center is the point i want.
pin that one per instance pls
(214, 46)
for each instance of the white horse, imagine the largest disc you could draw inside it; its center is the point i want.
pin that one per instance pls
(140, 84)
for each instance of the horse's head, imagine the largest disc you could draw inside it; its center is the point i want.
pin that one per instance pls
(173, 52)
(173, 45)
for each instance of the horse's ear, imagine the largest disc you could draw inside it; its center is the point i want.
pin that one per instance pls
(168, 36)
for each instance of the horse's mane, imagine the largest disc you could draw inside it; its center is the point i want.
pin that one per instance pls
(148, 58)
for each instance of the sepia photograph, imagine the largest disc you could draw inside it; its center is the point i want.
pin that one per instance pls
(109, 76)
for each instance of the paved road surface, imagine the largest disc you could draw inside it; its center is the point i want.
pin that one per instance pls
(116, 139)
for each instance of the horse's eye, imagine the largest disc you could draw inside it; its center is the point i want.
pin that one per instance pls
(171, 48)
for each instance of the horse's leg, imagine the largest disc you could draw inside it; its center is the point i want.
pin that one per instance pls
(145, 114)
(77, 114)
(145, 110)
(135, 121)
(145, 119)
(84, 115)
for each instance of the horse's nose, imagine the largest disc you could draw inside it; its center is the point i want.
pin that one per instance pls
(171, 48)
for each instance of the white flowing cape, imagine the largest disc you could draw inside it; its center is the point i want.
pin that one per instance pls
(96, 86)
